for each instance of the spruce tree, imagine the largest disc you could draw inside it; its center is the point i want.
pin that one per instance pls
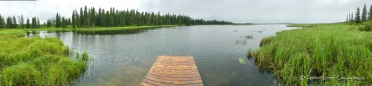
(73, 19)
(352, 17)
(78, 20)
(2, 22)
(370, 13)
(28, 23)
(58, 21)
(49, 22)
(357, 16)
(9, 22)
(15, 25)
(37, 23)
(82, 19)
(364, 13)
(21, 21)
(33, 22)
(64, 23)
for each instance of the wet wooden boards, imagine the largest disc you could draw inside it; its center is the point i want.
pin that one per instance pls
(173, 71)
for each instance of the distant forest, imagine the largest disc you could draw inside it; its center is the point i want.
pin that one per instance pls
(360, 18)
(91, 17)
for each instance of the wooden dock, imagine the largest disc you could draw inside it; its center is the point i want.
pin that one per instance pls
(173, 71)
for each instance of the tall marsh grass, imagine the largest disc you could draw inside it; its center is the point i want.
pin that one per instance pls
(323, 51)
(36, 61)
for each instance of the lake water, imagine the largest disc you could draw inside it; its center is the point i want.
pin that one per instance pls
(123, 58)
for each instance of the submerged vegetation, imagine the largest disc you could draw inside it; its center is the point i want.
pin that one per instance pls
(327, 54)
(36, 61)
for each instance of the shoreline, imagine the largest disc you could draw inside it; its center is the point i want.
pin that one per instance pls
(317, 50)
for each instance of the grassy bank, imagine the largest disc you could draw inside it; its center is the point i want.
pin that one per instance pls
(300, 25)
(327, 54)
(95, 29)
(36, 61)
(121, 28)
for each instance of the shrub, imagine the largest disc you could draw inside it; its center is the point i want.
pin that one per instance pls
(367, 26)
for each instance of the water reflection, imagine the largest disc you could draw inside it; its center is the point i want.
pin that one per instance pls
(124, 57)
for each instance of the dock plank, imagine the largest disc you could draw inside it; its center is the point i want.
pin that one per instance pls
(173, 71)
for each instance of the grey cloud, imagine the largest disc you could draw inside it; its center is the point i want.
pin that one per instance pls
(261, 11)
(254, 11)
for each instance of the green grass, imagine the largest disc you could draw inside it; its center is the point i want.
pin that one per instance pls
(36, 61)
(319, 51)
(301, 25)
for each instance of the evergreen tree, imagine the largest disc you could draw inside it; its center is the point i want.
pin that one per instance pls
(9, 22)
(21, 21)
(78, 20)
(37, 22)
(2, 23)
(364, 13)
(98, 17)
(28, 23)
(15, 25)
(347, 18)
(85, 17)
(103, 19)
(352, 18)
(73, 19)
(64, 23)
(92, 17)
(33, 22)
(68, 21)
(49, 22)
(82, 19)
(58, 21)
(370, 13)
(357, 16)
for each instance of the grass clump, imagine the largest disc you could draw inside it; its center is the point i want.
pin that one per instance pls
(250, 53)
(328, 50)
(36, 61)
(266, 40)
(249, 36)
(367, 26)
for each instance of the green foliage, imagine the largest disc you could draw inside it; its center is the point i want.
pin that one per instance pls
(15, 25)
(9, 22)
(36, 61)
(266, 40)
(370, 13)
(28, 23)
(357, 16)
(364, 13)
(321, 51)
(2, 22)
(117, 18)
(34, 23)
(64, 22)
(58, 21)
(366, 26)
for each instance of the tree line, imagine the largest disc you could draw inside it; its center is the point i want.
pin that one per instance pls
(91, 17)
(358, 17)
(11, 22)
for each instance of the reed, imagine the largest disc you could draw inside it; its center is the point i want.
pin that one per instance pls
(321, 51)
(36, 61)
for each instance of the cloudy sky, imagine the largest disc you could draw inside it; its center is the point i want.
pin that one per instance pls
(239, 11)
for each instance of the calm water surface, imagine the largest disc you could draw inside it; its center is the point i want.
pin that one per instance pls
(123, 58)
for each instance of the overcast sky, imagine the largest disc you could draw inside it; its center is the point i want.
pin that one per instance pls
(239, 11)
